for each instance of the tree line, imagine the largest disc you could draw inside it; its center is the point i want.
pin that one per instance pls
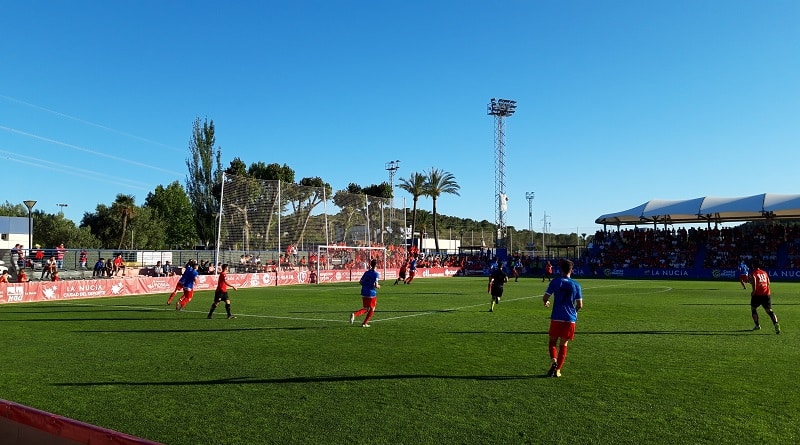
(184, 216)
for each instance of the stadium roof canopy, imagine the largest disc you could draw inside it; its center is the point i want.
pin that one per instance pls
(766, 206)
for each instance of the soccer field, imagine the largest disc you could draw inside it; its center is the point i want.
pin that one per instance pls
(657, 362)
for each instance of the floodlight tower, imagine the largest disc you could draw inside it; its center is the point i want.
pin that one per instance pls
(392, 167)
(529, 196)
(500, 109)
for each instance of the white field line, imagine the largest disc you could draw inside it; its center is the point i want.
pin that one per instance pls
(399, 317)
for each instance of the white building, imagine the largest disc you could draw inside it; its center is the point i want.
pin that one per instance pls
(13, 231)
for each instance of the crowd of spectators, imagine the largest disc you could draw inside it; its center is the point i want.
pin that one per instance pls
(774, 245)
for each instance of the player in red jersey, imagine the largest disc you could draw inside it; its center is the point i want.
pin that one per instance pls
(221, 294)
(401, 274)
(761, 295)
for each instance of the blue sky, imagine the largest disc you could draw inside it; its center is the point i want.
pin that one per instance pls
(619, 102)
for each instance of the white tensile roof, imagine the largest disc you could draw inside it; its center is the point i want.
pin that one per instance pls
(708, 209)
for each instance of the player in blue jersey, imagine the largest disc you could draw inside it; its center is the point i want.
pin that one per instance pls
(369, 294)
(189, 277)
(567, 301)
(744, 275)
(412, 269)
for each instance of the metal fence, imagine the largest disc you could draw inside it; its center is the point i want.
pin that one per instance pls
(269, 216)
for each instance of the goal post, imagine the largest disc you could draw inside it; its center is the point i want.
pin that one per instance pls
(332, 258)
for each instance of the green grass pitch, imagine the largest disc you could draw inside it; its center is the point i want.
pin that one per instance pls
(658, 362)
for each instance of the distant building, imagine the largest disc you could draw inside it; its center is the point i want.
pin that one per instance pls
(13, 231)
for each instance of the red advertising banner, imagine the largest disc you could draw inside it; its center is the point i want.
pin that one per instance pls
(140, 285)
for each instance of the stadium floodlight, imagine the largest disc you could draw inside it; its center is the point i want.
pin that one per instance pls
(62, 205)
(500, 109)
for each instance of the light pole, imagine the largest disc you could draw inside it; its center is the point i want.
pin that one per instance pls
(529, 196)
(62, 208)
(392, 167)
(544, 231)
(29, 204)
(500, 109)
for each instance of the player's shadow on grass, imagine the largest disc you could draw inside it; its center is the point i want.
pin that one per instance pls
(666, 332)
(69, 311)
(167, 331)
(579, 333)
(746, 303)
(161, 319)
(295, 380)
(500, 332)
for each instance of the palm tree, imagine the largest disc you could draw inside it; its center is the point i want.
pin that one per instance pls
(438, 182)
(125, 205)
(415, 185)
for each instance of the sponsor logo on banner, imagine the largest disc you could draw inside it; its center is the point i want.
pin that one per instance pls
(116, 288)
(669, 273)
(83, 290)
(157, 284)
(15, 293)
(266, 279)
(302, 276)
(49, 292)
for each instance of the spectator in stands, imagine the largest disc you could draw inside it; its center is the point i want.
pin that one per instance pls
(38, 256)
(49, 268)
(168, 272)
(99, 268)
(109, 269)
(15, 256)
(4, 277)
(83, 259)
(22, 277)
(55, 276)
(158, 270)
(119, 265)
(60, 251)
(20, 257)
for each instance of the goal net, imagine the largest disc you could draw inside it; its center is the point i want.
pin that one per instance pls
(272, 219)
(351, 260)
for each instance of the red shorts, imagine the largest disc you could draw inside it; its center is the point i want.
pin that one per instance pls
(743, 278)
(179, 286)
(188, 293)
(562, 329)
(369, 302)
